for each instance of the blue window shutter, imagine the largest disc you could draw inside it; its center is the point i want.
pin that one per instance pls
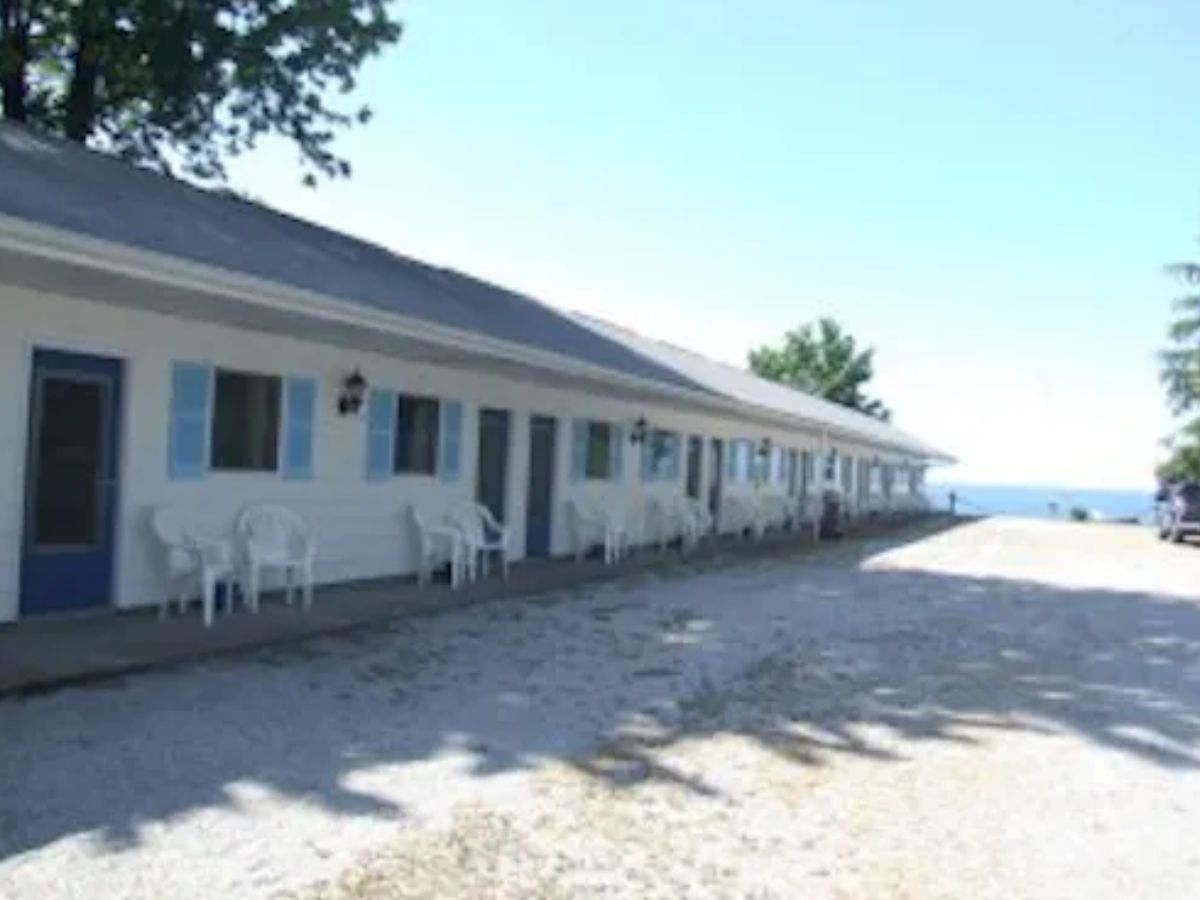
(732, 463)
(616, 468)
(381, 421)
(579, 447)
(187, 438)
(300, 409)
(648, 458)
(451, 462)
(676, 453)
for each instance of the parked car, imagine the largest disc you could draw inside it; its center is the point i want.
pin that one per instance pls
(1177, 509)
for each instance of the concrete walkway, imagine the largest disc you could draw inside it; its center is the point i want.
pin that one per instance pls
(44, 654)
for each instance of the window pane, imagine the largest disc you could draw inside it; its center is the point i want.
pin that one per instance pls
(417, 428)
(598, 450)
(245, 433)
(69, 460)
(660, 453)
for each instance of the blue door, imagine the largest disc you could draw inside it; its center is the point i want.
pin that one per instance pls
(539, 510)
(70, 482)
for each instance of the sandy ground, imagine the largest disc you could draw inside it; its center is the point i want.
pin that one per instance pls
(1004, 709)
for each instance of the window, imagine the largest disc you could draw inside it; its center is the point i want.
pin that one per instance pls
(663, 461)
(760, 462)
(599, 451)
(416, 448)
(245, 422)
(741, 462)
(831, 466)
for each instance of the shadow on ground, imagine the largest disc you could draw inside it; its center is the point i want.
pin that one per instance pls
(822, 649)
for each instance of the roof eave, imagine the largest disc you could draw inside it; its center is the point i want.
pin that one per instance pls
(57, 244)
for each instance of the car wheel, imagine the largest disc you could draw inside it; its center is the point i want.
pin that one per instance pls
(1176, 535)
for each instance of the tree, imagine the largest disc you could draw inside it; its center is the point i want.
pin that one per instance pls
(188, 84)
(824, 361)
(1180, 375)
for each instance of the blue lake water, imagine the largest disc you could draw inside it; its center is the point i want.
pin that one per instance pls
(1035, 502)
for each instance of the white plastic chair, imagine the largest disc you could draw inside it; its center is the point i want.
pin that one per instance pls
(616, 533)
(587, 527)
(663, 523)
(437, 544)
(776, 511)
(743, 515)
(274, 537)
(598, 523)
(482, 537)
(695, 520)
(810, 514)
(193, 560)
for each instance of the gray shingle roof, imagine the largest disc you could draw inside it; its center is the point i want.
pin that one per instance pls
(745, 387)
(59, 184)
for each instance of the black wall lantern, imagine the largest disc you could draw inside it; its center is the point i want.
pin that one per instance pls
(764, 449)
(354, 392)
(638, 434)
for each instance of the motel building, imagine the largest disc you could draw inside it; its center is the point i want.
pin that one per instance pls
(163, 348)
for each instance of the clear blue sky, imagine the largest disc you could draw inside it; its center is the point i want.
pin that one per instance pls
(986, 192)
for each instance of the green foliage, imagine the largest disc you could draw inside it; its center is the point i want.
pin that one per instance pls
(1181, 361)
(823, 360)
(1180, 374)
(1079, 514)
(188, 84)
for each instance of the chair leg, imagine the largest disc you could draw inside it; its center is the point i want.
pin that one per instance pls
(253, 589)
(209, 597)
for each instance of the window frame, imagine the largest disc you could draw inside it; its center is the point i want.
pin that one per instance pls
(277, 382)
(402, 428)
(664, 454)
(596, 427)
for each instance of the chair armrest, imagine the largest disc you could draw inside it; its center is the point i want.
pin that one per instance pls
(448, 532)
(490, 524)
(216, 553)
(205, 552)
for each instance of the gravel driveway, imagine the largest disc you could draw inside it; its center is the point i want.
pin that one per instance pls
(1003, 709)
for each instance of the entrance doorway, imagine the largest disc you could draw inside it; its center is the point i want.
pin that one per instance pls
(539, 508)
(716, 476)
(68, 541)
(695, 460)
(492, 482)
